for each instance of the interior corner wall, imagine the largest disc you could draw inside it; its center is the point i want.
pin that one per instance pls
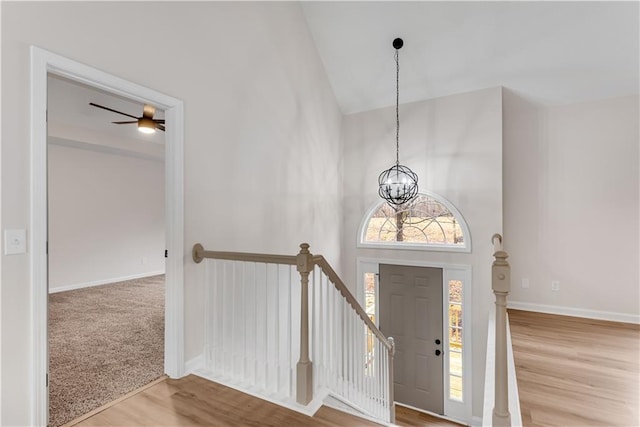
(106, 217)
(263, 166)
(454, 144)
(571, 196)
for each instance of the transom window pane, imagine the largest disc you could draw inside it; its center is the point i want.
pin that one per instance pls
(424, 221)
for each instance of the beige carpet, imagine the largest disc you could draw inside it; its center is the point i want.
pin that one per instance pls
(104, 341)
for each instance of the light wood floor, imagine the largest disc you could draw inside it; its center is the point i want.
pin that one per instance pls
(194, 401)
(576, 372)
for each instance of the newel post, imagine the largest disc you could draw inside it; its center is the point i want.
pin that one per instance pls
(304, 368)
(501, 284)
(392, 405)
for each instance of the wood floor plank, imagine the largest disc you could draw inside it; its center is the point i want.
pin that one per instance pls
(576, 372)
(412, 418)
(193, 401)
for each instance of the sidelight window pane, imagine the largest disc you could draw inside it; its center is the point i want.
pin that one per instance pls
(455, 327)
(370, 309)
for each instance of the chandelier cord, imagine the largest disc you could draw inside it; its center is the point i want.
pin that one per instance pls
(397, 108)
(398, 185)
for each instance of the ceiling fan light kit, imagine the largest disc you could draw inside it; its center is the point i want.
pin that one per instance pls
(398, 185)
(146, 123)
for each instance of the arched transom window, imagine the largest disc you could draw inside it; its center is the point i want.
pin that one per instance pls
(428, 222)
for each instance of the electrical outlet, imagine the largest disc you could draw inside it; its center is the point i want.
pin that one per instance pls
(555, 285)
(525, 283)
(144, 260)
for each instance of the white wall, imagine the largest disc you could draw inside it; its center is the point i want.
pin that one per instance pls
(571, 205)
(106, 217)
(454, 144)
(263, 167)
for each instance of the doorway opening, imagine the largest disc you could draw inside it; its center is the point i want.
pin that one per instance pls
(43, 64)
(106, 250)
(424, 303)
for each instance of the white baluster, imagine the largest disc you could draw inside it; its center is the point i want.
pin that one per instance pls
(313, 282)
(226, 321)
(385, 391)
(332, 339)
(289, 328)
(346, 348)
(276, 319)
(252, 324)
(239, 320)
(265, 328)
(318, 344)
(357, 335)
(219, 316)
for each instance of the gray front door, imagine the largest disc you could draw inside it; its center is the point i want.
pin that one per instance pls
(411, 313)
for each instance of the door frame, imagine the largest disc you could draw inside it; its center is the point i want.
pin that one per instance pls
(44, 62)
(453, 409)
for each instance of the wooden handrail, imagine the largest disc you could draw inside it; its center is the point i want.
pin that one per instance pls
(199, 254)
(497, 245)
(321, 262)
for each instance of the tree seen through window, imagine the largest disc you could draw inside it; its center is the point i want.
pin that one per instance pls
(424, 220)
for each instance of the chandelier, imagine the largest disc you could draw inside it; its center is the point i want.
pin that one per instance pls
(398, 185)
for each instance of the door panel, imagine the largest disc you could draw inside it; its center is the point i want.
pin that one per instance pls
(411, 312)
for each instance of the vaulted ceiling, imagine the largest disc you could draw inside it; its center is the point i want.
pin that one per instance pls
(548, 51)
(551, 52)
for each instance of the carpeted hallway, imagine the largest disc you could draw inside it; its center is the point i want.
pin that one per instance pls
(104, 341)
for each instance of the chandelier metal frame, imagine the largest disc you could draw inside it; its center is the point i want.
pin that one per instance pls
(398, 185)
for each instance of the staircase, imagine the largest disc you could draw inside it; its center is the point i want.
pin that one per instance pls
(287, 329)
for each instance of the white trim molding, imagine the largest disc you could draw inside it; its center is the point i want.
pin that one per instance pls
(103, 282)
(42, 63)
(575, 312)
(195, 364)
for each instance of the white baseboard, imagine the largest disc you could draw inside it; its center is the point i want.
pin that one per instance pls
(288, 403)
(575, 312)
(103, 282)
(194, 364)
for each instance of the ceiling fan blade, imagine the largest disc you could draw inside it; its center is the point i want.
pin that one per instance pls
(112, 110)
(159, 126)
(148, 111)
(124, 123)
(159, 120)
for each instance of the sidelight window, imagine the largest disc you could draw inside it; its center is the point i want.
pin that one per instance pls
(455, 327)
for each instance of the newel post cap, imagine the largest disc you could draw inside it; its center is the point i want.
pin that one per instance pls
(303, 259)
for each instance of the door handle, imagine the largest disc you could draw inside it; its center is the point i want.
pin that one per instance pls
(438, 352)
(438, 341)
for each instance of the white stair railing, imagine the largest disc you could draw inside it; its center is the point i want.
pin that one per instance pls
(352, 358)
(287, 329)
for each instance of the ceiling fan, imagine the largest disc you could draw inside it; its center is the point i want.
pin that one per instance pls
(146, 123)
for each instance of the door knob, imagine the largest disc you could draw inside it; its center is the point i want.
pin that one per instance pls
(438, 352)
(438, 342)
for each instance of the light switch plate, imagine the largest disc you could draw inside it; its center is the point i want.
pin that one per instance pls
(15, 242)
